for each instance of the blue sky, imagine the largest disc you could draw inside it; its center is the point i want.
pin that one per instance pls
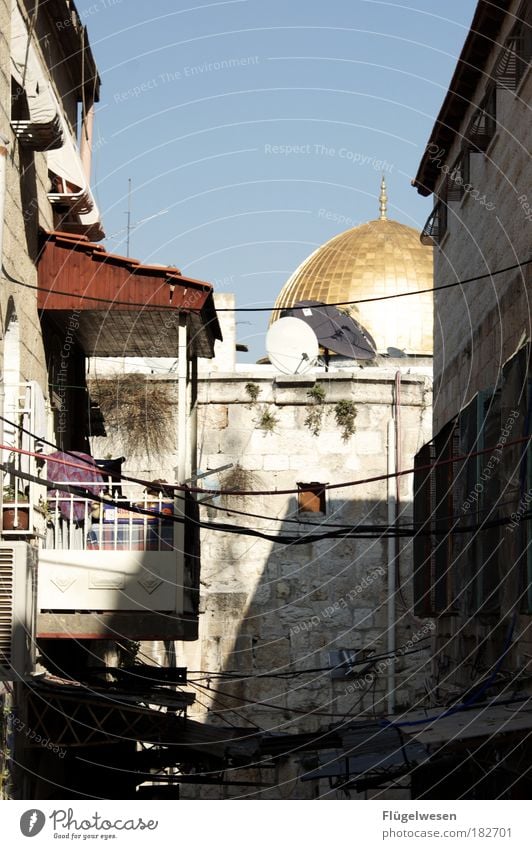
(260, 130)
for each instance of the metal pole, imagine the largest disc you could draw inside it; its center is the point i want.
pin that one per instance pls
(182, 470)
(391, 570)
(128, 214)
(3, 173)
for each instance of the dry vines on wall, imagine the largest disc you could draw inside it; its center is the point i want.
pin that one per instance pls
(238, 479)
(139, 413)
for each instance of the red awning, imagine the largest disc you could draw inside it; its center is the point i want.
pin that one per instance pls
(125, 308)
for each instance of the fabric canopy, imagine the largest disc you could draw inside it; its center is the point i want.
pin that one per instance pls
(27, 70)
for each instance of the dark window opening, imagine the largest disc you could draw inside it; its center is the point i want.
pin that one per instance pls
(435, 519)
(19, 102)
(436, 225)
(311, 497)
(483, 125)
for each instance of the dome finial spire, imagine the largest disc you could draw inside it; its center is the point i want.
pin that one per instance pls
(383, 200)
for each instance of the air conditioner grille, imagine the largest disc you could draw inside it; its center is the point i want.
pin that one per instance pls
(7, 590)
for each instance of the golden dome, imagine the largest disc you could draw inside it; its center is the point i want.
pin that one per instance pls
(375, 259)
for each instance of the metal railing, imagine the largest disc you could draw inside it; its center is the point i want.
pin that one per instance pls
(86, 524)
(58, 518)
(19, 499)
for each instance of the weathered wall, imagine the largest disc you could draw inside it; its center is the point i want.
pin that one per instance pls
(478, 326)
(270, 608)
(26, 208)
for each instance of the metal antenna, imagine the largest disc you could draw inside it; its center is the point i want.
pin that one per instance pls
(128, 214)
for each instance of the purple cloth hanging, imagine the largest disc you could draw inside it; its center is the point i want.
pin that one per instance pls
(58, 469)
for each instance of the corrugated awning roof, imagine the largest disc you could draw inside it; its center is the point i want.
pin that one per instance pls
(125, 308)
(370, 749)
(452, 729)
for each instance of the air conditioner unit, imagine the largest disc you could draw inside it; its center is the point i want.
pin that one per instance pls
(18, 586)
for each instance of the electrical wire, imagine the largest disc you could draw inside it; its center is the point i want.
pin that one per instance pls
(358, 532)
(474, 697)
(297, 711)
(323, 524)
(381, 297)
(225, 709)
(195, 685)
(234, 492)
(163, 307)
(241, 676)
(279, 539)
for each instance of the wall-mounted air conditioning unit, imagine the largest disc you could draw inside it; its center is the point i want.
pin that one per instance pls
(18, 585)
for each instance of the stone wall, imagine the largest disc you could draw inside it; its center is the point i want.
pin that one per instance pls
(478, 326)
(268, 608)
(26, 209)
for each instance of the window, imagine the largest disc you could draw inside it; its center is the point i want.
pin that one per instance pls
(483, 124)
(456, 179)
(464, 560)
(516, 474)
(456, 557)
(515, 55)
(480, 428)
(436, 225)
(435, 517)
(311, 497)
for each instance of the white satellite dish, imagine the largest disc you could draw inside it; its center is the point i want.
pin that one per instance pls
(292, 346)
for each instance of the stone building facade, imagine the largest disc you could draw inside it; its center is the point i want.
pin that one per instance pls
(27, 205)
(474, 576)
(292, 606)
(477, 165)
(301, 628)
(278, 609)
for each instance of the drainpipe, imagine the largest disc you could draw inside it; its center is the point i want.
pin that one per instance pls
(394, 466)
(85, 147)
(391, 568)
(183, 448)
(3, 173)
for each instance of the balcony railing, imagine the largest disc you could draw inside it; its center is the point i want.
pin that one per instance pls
(20, 499)
(111, 557)
(119, 523)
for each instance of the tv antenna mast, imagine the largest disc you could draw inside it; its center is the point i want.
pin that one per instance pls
(130, 226)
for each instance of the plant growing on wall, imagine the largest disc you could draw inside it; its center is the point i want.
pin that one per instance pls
(252, 391)
(239, 480)
(267, 421)
(345, 414)
(4, 751)
(316, 411)
(138, 413)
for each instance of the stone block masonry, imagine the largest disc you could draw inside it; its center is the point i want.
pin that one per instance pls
(287, 606)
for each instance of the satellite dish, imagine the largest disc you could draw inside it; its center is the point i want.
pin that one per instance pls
(335, 331)
(292, 346)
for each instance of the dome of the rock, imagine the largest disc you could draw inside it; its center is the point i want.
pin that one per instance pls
(378, 259)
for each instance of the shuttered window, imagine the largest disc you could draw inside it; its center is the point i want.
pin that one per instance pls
(435, 519)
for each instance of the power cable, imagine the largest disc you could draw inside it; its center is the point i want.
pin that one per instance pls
(279, 539)
(234, 492)
(225, 708)
(163, 307)
(323, 524)
(381, 297)
(241, 676)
